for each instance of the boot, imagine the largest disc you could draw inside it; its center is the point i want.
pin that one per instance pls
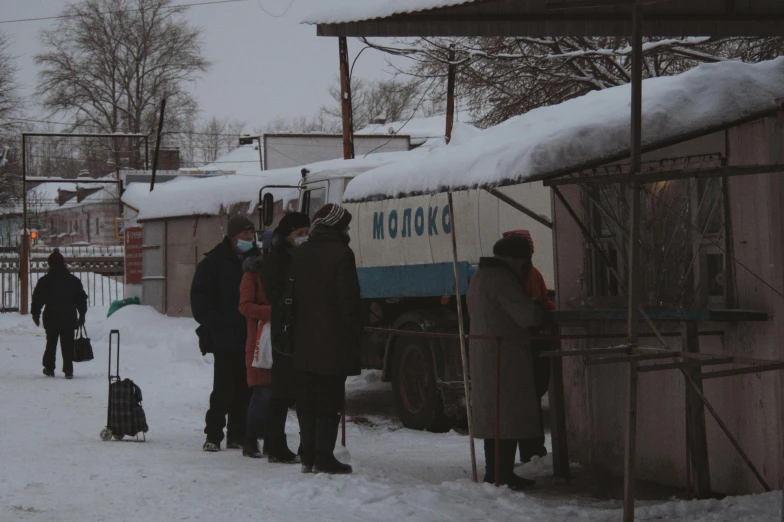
(275, 445)
(508, 477)
(307, 434)
(326, 437)
(251, 447)
(49, 372)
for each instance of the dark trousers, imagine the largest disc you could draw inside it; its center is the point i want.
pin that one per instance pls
(230, 397)
(66, 337)
(533, 446)
(320, 403)
(275, 434)
(508, 449)
(258, 419)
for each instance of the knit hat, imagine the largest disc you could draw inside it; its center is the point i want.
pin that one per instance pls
(239, 224)
(291, 222)
(56, 258)
(516, 247)
(331, 215)
(524, 233)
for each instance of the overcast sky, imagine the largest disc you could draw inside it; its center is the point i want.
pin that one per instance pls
(263, 66)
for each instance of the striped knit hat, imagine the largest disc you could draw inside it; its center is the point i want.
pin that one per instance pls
(331, 215)
(526, 234)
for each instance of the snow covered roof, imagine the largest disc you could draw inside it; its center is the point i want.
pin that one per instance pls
(340, 11)
(420, 129)
(594, 127)
(244, 158)
(190, 196)
(52, 196)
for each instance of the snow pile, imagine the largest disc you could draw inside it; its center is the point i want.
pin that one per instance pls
(593, 127)
(340, 11)
(243, 159)
(57, 469)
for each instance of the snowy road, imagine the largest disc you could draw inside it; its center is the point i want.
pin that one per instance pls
(54, 467)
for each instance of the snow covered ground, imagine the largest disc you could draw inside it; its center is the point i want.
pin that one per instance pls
(54, 467)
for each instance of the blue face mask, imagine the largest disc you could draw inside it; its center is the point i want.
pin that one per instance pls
(243, 246)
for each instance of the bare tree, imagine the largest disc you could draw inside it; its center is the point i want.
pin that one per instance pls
(321, 123)
(502, 77)
(109, 63)
(388, 100)
(11, 107)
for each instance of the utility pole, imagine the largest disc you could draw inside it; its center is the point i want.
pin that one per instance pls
(450, 94)
(345, 100)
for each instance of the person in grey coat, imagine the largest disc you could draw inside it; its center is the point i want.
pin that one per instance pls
(498, 307)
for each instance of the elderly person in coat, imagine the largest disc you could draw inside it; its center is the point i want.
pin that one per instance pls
(498, 306)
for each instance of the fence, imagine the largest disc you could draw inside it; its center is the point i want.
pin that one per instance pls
(100, 268)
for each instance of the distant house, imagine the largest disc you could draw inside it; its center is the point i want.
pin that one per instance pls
(65, 213)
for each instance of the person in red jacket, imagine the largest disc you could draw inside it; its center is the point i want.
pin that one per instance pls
(258, 311)
(535, 288)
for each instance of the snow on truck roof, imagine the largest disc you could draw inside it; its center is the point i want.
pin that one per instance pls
(592, 128)
(209, 196)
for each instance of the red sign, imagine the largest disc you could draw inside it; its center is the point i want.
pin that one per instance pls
(133, 256)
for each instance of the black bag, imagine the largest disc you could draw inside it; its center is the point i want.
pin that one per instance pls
(205, 341)
(83, 350)
(283, 332)
(127, 416)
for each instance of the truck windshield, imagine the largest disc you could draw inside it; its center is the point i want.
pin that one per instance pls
(314, 200)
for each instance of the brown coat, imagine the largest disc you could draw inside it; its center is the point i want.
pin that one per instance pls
(254, 306)
(498, 306)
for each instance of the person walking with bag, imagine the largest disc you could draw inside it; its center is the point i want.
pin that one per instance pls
(215, 294)
(63, 300)
(327, 334)
(291, 232)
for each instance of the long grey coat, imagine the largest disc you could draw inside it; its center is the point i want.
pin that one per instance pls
(498, 306)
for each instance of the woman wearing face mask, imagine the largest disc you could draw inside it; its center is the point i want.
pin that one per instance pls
(291, 232)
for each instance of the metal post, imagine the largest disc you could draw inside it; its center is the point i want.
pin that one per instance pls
(345, 100)
(450, 94)
(343, 420)
(558, 410)
(157, 145)
(631, 444)
(636, 148)
(497, 427)
(697, 465)
(24, 262)
(461, 331)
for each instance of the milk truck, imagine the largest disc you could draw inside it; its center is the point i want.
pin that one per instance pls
(405, 266)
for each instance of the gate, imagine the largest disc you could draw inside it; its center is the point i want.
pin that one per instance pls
(100, 268)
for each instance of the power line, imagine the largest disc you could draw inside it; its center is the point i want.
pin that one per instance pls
(117, 12)
(274, 15)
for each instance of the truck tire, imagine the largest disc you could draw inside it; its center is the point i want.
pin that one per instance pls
(417, 398)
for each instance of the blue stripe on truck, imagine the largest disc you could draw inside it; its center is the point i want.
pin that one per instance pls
(430, 280)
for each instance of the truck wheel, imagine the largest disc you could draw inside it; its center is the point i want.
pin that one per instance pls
(418, 400)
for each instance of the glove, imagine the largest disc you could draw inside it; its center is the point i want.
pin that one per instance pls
(37, 321)
(81, 320)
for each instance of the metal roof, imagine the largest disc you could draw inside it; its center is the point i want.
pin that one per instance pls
(716, 18)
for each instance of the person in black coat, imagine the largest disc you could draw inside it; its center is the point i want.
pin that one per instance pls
(61, 296)
(215, 298)
(291, 232)
(327, 334)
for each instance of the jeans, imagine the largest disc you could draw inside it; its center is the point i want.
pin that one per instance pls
(230, 396)
(66, 337)
(258, 418)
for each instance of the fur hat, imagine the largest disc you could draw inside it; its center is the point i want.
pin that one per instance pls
(516, 247)
(239, 224)
(524, 233)
(291, 222)
(331, 215)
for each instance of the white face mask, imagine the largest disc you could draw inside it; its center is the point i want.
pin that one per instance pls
(300, 240)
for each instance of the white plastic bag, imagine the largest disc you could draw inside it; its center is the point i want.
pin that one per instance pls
(262, 358)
